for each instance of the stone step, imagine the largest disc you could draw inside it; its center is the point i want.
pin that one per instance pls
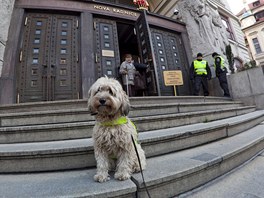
(248, 180)
(77, 154)
(80, 115)
(66, 131)
(166, 176)
(78, 104)
(175, 173)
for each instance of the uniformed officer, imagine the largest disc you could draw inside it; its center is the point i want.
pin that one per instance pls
(220, 72)
(200, 73)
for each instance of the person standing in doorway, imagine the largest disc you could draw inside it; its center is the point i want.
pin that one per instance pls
(128, 72)
(200, 73)
(220, 72)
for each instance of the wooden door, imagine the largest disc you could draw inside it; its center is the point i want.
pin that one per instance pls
(147, 53)
(168, 55)
(107, 58)
(48, 66)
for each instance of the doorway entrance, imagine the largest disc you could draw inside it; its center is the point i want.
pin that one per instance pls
(48, 67)
(127, 39)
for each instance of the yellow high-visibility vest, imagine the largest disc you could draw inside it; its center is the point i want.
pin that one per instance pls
(222, 63)
(200, 67)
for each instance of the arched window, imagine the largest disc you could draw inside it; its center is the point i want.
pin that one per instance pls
(238, 64)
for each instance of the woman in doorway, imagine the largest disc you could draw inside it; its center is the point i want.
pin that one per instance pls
(128, 72)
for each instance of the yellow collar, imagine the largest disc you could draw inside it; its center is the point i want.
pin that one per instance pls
(118, 121)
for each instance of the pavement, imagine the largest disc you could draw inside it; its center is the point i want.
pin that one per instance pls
(246, 181)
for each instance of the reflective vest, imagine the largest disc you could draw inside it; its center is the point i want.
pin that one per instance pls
(200, 67)
(222, 63)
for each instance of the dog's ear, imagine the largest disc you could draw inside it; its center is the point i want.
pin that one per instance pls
(89, 101)
(90, 109)
(125, 107)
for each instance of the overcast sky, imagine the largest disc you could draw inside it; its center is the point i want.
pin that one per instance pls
(237, 5)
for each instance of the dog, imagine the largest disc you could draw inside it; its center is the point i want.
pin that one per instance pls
(113, 144)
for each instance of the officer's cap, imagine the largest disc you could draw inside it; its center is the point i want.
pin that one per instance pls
(214, 54)
(199, 55)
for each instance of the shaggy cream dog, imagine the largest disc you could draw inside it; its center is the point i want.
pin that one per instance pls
(112, 132)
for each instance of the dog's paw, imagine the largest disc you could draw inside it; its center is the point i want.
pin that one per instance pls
(122, 176)
(101, 178)
(136, 169)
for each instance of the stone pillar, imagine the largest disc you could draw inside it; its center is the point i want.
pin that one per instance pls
(6, 10)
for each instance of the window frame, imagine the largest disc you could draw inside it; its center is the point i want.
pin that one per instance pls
(256, 45)
(228, 27)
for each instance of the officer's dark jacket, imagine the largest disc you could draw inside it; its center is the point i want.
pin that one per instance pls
(218, 69)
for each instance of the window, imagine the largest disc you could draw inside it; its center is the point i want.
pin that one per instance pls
(39, 23)
(227, 25)
(64, 33)
(64, 24)
(259, 16)
(256, 3)
(256, 45)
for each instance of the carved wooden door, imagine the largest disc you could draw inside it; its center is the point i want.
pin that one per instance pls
(48, 66)
(107, 58)
(147, 53)
(168, 54)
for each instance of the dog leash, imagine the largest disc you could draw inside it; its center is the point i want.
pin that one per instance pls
(141, 171)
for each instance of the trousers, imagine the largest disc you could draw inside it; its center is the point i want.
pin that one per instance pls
(223, 84)
(198, 81)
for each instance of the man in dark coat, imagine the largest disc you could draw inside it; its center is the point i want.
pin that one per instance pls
(200, 73)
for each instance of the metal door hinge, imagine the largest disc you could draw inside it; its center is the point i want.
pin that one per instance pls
(94, 25)
(26, 20)
(20, 56)
(77, 24)
(18, 98)
(96, 58)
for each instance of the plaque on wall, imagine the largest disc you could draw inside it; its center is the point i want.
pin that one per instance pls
(108, 53)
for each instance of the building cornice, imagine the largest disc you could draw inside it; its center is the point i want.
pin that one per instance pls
(224, 10)
(259, 23)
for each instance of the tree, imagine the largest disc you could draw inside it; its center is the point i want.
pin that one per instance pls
(230, 58)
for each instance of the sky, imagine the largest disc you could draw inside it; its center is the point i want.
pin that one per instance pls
(237, 5)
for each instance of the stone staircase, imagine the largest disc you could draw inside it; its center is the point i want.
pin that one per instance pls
(46, 148)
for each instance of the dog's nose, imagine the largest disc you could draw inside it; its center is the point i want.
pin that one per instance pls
(102, 101)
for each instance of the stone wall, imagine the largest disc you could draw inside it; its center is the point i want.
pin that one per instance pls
(6, 9)
(248, 87)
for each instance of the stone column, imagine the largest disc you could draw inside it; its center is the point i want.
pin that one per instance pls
(6, 10)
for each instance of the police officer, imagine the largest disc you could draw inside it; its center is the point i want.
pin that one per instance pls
(220, 72)
(200, 73)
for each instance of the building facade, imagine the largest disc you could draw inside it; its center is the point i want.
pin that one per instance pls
(211, 27)
(56, 49)
(252, 24)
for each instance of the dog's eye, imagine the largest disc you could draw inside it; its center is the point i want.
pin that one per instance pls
(111, 92)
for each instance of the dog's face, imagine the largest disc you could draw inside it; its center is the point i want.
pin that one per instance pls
(106, 97)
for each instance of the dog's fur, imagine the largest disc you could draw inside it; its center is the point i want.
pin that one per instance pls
(113, 146)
